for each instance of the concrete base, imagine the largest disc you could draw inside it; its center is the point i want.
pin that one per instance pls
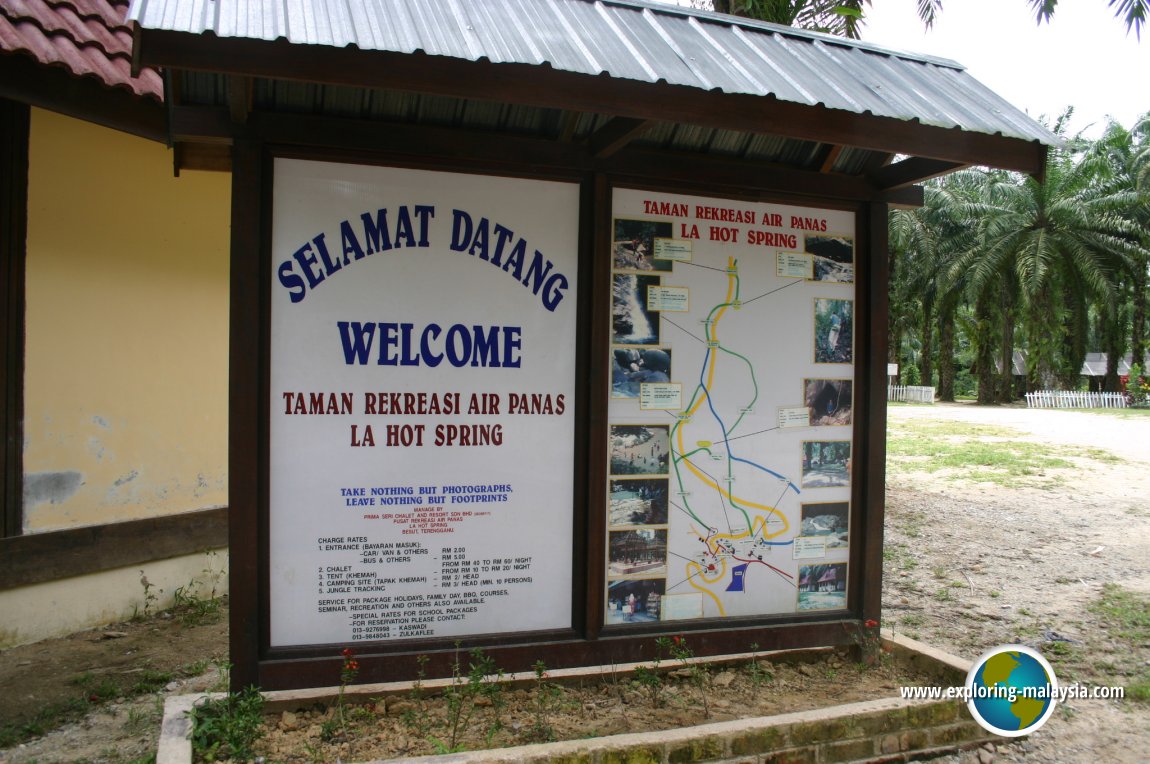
(883, 730)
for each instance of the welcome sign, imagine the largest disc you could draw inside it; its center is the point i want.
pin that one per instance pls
(421, 403)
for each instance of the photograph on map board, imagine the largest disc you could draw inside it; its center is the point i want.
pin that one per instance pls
(834, 330)
(823, 587)
(828, 401)
(826, 463)
(633, 245)
(639, 449)
(834, 257)
(632, 323)
(829, 520)
(637, 552)
(631, 367)
(635, 600)
(637, 501)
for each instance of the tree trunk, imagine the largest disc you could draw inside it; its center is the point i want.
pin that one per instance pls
(946, 351)
(926, 360)
(1075, 330)
(1039, 360)
(1138, 319)
(1006, 354)
(984, 348)
(1111, 330)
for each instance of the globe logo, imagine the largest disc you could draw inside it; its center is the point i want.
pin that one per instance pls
(1011, 690)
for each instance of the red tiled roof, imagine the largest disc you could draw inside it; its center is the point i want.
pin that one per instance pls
(89, 38)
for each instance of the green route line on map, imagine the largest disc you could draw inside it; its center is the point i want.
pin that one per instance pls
(708, 325)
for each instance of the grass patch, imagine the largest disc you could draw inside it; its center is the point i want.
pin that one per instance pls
(1126, 616)
(1139, 689)
(1123, 413)
(1126, 613)
(980, 453)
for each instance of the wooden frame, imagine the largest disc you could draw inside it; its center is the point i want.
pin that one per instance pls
(255, 662)
(38, 558)
(55, 89)
(14, 132)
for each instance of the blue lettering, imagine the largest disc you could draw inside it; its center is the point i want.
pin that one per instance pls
(486, 347)
(460, 235)
(424, 212)
(321, 245)
(403, 229)
(375, 231)
(350, 243)
(518, 252)
(432, 331)
(292, 281)
(554, 291)
(305, 264)
(408, 359)
(388, 341)
(357, 338)
(502, 236)
(512, 344)
(480, 240)
(458, 333)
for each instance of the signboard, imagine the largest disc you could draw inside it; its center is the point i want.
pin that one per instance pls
(421, 403)
(734, 501)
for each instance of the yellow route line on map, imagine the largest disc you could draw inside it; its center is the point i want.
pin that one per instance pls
(718, 576)
(699, 402)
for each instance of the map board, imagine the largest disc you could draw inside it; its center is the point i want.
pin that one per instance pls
(421, 404)
(730, 498)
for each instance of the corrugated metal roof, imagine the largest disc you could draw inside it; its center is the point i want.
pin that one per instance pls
(89, 38)
(626, 39)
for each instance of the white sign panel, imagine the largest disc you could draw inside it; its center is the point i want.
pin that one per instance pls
(422, 385)
(707, 500)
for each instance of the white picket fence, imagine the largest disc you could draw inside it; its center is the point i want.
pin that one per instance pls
(1066, 399)
(909, 394)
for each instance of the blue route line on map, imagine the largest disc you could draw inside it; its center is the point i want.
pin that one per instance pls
(723, 427)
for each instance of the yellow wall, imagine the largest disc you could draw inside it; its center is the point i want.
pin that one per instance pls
(56, 608)
(126, 372)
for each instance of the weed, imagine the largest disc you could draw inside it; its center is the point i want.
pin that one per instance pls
(144, 717)
(416, 718)
(199, 601)
(759, 675)
(150, 681)
(1127, 612)
(993, 594)
(942, 595)
(228, 727)
(700, 674)
(650, 679)
(347, 674)
(546, 696)
(481, 684)
(151, 597)
(1139, 689)
(195, 668)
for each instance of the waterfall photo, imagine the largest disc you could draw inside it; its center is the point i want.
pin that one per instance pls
(631, 322)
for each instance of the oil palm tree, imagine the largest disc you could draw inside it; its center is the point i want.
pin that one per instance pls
(923, 242)
(1064, 243)
(846, 17)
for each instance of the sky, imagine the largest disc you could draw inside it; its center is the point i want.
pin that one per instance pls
(1082, 58)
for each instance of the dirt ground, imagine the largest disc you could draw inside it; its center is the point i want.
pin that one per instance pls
(1026, 564)
(969, 565)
